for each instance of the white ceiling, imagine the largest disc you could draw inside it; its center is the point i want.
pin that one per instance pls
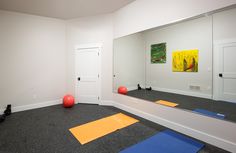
(63, 9)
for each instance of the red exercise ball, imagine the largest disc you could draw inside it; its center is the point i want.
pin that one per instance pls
(68, 101)
(122, 90)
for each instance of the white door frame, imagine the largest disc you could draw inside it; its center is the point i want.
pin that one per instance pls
(87, 46)
(218, 45)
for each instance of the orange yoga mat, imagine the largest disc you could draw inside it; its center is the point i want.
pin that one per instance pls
(96, 129)
(166, 103)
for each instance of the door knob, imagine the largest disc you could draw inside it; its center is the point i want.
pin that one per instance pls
(221, 75)
(78, 78)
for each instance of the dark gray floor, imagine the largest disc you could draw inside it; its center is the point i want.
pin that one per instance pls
(45, 130)
(188, 102)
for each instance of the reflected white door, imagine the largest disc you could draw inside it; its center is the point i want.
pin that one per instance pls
(227, 72)
(87, 68)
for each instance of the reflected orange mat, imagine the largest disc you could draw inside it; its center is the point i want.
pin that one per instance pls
(166, 103)
(96, 129)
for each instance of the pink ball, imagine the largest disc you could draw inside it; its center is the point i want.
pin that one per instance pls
(122, 90)
(68, 101)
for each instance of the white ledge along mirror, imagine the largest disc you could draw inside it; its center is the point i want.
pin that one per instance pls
(188, 65)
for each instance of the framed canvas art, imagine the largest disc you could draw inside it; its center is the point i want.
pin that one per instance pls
(158, 53)
(185, 61)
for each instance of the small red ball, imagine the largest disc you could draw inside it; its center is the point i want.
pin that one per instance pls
(68, 101)
(122, 90)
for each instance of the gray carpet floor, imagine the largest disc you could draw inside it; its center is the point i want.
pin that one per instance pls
(45, 130)
(188, 102)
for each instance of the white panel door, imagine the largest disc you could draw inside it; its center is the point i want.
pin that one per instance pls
(227, 72)
(87, 68)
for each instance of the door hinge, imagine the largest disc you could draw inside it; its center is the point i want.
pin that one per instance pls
(98, 53)
(98, 75)
(98, 98)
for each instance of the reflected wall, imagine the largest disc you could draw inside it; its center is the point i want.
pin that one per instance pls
(129, 61)
(189, 35)
(133, 65)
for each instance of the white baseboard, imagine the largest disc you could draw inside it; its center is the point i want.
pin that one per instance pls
(106, 103)
(34, 106)
(131, 88)
(211, 139)
(187, 93)
(135, 87)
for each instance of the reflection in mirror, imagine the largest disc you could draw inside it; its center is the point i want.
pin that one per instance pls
(189, 65)
(129, 62)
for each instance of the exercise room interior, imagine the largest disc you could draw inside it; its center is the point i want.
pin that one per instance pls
(117, 76)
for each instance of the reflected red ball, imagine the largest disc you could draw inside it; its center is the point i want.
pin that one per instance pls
(122, 90)
(68, 101)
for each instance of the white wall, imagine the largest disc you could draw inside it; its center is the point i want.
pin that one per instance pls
(129, 62)
(224, 24)
(95, 29)
(145, 14)
(193, 34)
(32, 60)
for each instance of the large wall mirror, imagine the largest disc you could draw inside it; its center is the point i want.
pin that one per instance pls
(188, 65)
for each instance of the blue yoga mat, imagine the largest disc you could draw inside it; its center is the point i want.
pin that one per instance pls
(209, 113)
(167, 141)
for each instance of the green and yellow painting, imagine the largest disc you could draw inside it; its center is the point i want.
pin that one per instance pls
(158, 53)
(185, 61)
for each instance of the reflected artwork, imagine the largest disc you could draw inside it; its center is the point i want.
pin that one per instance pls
(185, 61)
(158, 53)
